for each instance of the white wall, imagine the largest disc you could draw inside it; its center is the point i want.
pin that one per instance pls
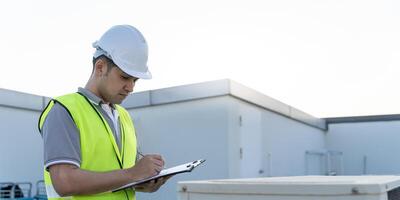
(183, 132)
(21, 146)
(287, 141)
(216, 129)
(278, 143)
(231, 129)
(378, 141)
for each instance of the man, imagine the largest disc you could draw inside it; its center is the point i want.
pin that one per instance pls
(89, 140)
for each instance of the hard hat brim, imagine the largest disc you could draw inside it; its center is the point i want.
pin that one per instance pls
(146, 75)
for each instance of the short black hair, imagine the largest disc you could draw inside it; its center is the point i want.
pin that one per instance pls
(110, 63)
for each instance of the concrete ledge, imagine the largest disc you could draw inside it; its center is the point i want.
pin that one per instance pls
(45, 102)
(139, 99)
(189, 92)
(370, 118)
(308, 119)
(177, 94)
(247, 94)
(257, 98)
(14, 99)
(219, 88)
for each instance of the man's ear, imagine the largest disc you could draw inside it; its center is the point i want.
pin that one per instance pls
(100, 67)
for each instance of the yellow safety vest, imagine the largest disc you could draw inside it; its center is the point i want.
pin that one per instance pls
(99, 150)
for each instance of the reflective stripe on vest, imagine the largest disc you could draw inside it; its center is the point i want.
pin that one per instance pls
(96, 138)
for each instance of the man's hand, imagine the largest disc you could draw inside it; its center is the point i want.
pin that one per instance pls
(149, 165)
(152, 186)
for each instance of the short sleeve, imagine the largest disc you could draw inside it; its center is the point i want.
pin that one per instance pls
(60, 138)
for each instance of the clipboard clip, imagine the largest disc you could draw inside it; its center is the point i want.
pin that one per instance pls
(195, 163)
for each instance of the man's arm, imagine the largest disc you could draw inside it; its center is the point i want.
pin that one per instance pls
(69, 180)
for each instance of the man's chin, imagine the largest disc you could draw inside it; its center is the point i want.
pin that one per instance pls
(117, 102)
(119, 99)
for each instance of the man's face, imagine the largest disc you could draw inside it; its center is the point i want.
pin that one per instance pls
(115, 85)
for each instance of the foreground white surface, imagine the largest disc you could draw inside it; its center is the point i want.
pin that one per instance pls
(292, 188)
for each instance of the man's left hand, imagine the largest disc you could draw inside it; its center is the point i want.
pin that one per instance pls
(152, 186)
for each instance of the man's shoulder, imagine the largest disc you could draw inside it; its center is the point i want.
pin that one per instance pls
(67, 96)
(54, 108)
(70, 99)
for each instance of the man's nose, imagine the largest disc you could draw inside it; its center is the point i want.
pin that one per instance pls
(129, 86)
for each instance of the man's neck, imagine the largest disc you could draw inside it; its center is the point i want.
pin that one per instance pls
(91, 87)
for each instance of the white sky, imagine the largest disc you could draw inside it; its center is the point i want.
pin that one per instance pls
(325, 57)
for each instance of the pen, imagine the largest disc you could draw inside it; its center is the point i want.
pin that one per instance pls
(140, 153)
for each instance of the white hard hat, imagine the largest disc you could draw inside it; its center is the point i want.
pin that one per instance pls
(127, 48)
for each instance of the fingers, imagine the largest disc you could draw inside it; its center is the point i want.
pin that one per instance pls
(154, 183)
(149, 165)
(151, 186)
(161, 181)
(156, 163)
(158, 160)
(167, 177)
(159, 165)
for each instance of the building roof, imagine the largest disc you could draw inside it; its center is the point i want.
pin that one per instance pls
(219, 88)
(369, 118)
(15, 99)
(225, 87)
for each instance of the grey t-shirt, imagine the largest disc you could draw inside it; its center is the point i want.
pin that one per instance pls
(61, 136)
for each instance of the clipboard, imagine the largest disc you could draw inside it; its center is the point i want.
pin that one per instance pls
(187, 167)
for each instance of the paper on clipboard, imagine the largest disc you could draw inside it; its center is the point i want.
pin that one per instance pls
(187, 167)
